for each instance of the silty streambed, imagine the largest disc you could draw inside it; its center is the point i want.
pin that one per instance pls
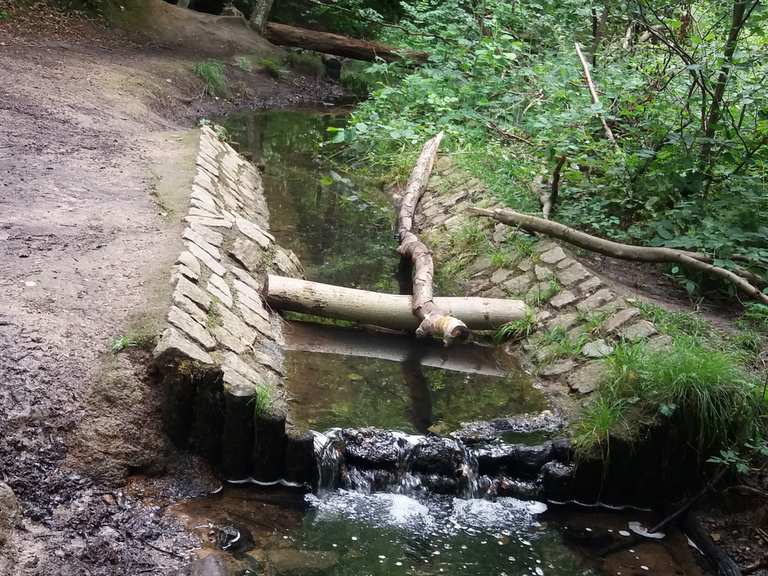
(384, 504)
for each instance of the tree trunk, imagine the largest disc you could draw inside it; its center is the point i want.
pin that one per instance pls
(259, 15)
(689, 260)
(337, 44)
(738, 19)
(593, 94)
(322, 339)
(385, 310)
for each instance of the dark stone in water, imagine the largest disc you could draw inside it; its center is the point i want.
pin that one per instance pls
(437, 455)
(363, 480)
(520, 489)
(557, 480)
(561, 450)
(438, 484)
(513, 459)
(373, 448)
(269, 447)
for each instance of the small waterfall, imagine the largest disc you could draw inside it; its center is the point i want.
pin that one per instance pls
(328, 459)
(470, 473)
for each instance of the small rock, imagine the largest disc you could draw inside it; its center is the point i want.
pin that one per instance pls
(557, 368)
(658, 343)
(500, 275)
(481, 263)
(597, 349)
(525, 265)
(596, 300)
(563, 299)
(587, 378)
(618, 320)
(575, 273)
(552, 256)
(9, 512)
(638, 331)
(542, 272)
(209, 566)
(590, 285)
(544, 246)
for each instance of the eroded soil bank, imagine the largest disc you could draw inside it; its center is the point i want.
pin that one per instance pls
(96, 158)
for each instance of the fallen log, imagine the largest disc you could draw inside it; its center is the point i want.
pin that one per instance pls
(435, 321)
(328, 43)
(322, 339)
(392, 311)
(691, 260)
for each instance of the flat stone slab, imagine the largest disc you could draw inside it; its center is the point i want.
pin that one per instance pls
(552, 256)
(563, 299)
(218, 287)
(191, 327)
(619, 319)
(186, 288)
(638, 331)
(597, 299)
(597, 349)
(558, 368)
(573, 274)
(189, 261)
(587, 378)
(211, 263)
(500, 275)
(173, 342)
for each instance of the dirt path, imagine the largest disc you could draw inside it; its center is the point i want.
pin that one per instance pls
(91, 179)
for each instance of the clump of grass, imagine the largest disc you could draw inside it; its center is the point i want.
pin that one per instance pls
(705, 394)
(543, 294)
(560, 344)
(517, 329)
(677, 323)
(4, 16)
(262, 400)
(212, 73)
(133, 340)
(244, 64)
(271, 67)
(213, 318)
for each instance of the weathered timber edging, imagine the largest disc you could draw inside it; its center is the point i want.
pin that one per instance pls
(219, 357)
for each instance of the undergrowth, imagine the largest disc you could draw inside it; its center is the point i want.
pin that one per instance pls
(211, 72)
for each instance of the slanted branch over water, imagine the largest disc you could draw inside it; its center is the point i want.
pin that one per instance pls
(435, 321)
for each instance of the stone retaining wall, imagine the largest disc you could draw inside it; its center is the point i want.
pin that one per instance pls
(569, 300)
(219, 356)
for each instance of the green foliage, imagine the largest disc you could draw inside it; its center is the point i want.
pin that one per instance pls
(262, 400)
(271, 67)
(211, 72)
(4, 16)
(517, 329)
(244, 64)
(542, 294)
(137, 339)
(704, 394)
(510, 68)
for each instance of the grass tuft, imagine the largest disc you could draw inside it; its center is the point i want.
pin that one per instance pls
(212, 73)
(705, 394)
(517, 329)
(271, 67)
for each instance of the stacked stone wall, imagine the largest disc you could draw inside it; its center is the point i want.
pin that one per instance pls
(570, 301)
(220, 356)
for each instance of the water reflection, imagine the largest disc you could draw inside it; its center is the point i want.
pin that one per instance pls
(340, 377)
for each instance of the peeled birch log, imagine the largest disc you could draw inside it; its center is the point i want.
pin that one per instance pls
(435, 320)
(386, 310)
(691, 260)
(329, 43)
(322, 339)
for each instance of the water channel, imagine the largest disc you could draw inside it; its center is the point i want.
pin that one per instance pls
(339, 222)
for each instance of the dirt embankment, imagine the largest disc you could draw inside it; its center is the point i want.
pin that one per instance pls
(96, 155)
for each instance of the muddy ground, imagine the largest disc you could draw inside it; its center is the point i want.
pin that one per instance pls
(96, 155)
